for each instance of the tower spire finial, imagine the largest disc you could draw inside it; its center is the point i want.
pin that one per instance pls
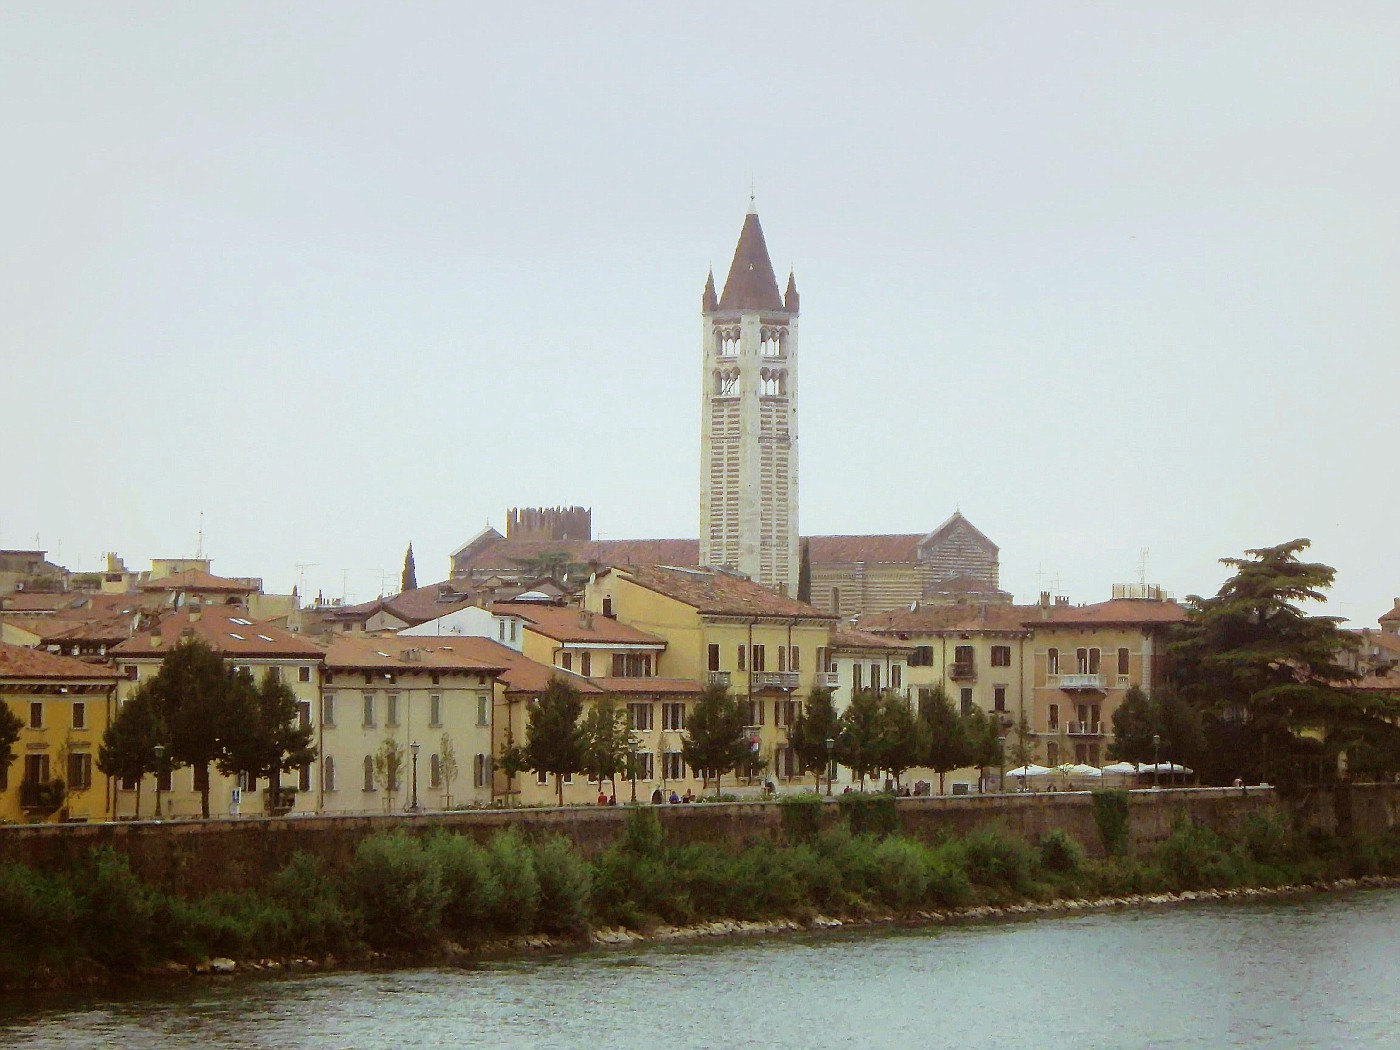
(753, 207)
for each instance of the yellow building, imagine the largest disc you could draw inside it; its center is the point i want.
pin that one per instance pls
(767, 648)
(243, 643)
(64, 706)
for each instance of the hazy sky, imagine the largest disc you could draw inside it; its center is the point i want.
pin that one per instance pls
(342, 276)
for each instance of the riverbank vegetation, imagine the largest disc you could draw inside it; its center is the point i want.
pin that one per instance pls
(413, 895)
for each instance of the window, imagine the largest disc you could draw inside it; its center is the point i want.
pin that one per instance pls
(966, 697)
(129, 670)
(673, 716)
(566, 661)
(303, 674)
(434, 772)
(1052, 661)
(36, 715)
(608, 606)
(304, 777)
(199, 781)
(1001, 656)
(435, 710)
(785, 763)
(502, 631)
(712, 657)
(391, 710)
(646, 768)
(274, 674)
(1087, 661)
(782, 658)
(672, 766)
(998, 698)
(483, 709)
(785, 712)
(925, 695)
(36, 769)
(963, 657)
(247, 783)
(481, 770)
(896, 676)
(922, 656)
(639, 717)
(740, 663)
(79, 714)
(165, 781)
(369, 772)
(1052, 754)
(586, 664)
(512, 630)
(755, 713)
(874, 678)
(794, 664)
(328, 774)
(304, 714)
(1054, 717)
(328, 709)
(79, 771)
(541, 778)
(631, 665)
(823, 658)
(1123, 661)
(857, 677)
(758, 662)
(369, 709)
(1093, 661)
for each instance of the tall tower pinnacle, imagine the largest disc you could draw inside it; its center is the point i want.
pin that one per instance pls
(748, 425)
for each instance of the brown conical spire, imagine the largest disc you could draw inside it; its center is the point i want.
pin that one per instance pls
(708, 303)
(751, 284)
(790, 296)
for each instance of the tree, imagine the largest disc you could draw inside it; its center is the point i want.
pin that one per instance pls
(267, 738)
(410, 572)
(804, 574)
(984, 743)
(512, 760)
(388, 766)
(1164, 715)
(10, 727)
(1267, 673)
(553, 738)
(905, 735)
(447, 766)
(200, 702)
(714, 740)
(814, 725)
(1022, 752)
(607, 742)
(128, 748)
(861, 742)
(947, 740)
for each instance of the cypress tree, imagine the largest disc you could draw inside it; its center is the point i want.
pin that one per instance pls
(410, 572)
(804, 574)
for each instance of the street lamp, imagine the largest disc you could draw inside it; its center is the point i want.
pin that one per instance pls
(830, 747)
(1156, 762)
(160, 769)
(413, 748)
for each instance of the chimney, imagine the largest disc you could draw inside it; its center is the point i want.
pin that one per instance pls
(1045, 599)
(585, 619)
(1062, 601)
(196, 611)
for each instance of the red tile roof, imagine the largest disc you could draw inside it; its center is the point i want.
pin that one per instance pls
(530, 677)
(951, 619)
(719, 593)
(18, 662)
(1126, 611)
(225, 630)
(406, 653)
(1392, 615)
(845, 550)
(849, 638)
(751, 284)
(568, 624)
(198, 580)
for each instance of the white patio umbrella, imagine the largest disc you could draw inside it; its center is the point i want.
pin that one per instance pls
(1121, 768)
(1029, 770)
(1164, 767)
(1079, 769)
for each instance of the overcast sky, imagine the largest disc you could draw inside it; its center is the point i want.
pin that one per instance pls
(342, 276)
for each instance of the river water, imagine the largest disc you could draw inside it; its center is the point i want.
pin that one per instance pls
(1311, 972)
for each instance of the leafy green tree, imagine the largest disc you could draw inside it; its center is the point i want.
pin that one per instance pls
(714, 740)
(447, 766)
(860, 746)
(984, 744)
(409, 581)
(905, 735)
(10, 726)
(814, 725)
(267, 736)
(128, 748)
(513, 759)
(553, 737)
(946, 734)
(804, 573)
(1165, 715)
(607, 742)
(388, 768)
(1259, 666)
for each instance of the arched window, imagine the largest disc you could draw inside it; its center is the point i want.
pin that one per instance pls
(434, 772)
(369, 772)
(328, 774)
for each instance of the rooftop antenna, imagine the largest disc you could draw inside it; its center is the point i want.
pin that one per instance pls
(301, 568)
(199, 550)
(344, 582)
(1142, 567)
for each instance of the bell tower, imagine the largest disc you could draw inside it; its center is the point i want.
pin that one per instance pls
(748, 421)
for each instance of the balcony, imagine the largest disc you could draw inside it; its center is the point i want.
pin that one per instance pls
(773, 680)
(1084, 728)
(1071, 682)
(41, 796)
(826, 680)
(962, 672)
(717, 678)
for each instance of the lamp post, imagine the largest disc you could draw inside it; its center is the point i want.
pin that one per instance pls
(1156, 761)
(830, 748)
(160, 771)
(413, 749)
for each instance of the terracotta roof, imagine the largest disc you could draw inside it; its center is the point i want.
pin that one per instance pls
(18, 662)
(406, 653)
(198, 580)
(1378, 683)
(843, 550)
(751, 284)
(523, 675)
(1115, 611)
(649, 686)
(39, 601)
(849, 638)
(564, 624)
(111, 629)
(224, 629)
(1392, 615)
(719, 593)
(951, 619)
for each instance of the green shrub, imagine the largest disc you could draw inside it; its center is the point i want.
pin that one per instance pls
(1061, 854)
(902, 873)
(643, 835)
(566, 883)
(1194, 857)
(1111, 816)
(998, 862)
(948, 884)
(40, 919)
(513, 864)
(470, 882)
(1268, 839)
(118, 909)
(319, 920)
(397, 886)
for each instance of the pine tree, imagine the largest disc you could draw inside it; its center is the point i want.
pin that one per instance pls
(410, 572)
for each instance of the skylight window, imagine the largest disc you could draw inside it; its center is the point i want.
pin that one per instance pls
(239, 620)
(264, 637)
(378, 653)
(238, 636)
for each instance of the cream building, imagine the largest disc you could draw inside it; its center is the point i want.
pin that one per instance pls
(748, 428)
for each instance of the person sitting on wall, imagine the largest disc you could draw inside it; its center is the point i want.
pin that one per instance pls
(612, 800)
(602, 798)
(675, 799)
(689, 796)
(657, 798)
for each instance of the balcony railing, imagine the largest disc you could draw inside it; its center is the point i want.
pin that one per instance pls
(773, 680)
(1081, 681)
(962, 672)
(717, 678)
(826, 679)
(1084, 728)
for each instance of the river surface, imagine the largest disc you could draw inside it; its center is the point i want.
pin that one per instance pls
(1311, 972)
